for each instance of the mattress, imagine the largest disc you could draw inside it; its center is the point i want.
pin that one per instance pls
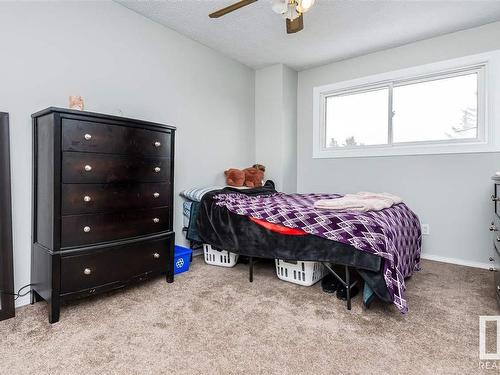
(223, 229)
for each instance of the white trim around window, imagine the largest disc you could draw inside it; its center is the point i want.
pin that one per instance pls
(487, 68)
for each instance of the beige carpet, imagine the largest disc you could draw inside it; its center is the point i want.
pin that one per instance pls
(213, 321)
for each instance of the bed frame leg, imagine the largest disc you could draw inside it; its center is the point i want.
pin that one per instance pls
(348, 287)
(347, 283)
(250, 269)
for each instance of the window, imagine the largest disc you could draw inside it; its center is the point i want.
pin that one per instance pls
(415, 111)
(347, 125)
(436, 110)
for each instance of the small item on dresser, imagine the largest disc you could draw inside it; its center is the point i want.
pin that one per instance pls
(76, 102)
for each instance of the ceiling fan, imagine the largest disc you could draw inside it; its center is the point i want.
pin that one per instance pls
(291, 10)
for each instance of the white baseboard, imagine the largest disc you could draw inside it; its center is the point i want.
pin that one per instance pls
(26, 299)
(23, 301)
(460, 262)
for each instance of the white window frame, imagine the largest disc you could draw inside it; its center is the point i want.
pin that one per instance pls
(487, 66)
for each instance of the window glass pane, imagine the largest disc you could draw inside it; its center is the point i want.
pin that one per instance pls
(442, 109)
(357, 119)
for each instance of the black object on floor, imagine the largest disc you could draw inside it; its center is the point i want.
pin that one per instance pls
(342, 292)
(346, 284)
(329, 284)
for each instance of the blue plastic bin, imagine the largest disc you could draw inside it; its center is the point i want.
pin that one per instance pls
(182, 259)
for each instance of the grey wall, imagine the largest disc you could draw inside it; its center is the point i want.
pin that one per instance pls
(290, 81)
(268, 118)
(124, 64)
(276, 124)
(449, 192)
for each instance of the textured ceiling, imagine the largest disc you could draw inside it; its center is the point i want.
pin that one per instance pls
(333, 30)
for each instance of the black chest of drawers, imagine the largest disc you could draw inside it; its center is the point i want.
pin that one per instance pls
(495, 229)
(102, 204)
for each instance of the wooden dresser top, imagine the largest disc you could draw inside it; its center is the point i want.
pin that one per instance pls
(101, 116)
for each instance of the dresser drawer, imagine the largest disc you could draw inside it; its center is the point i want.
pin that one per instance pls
(496, 199)
(100, 168)
(89, 229)
(495, 267)
(97, 137)
(93, 198)
(495, 232)
(117, 264)
(496, 243)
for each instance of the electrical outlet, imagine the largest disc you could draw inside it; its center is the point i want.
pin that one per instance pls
(426, 229)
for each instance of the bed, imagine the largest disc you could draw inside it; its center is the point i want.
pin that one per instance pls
(383, 247)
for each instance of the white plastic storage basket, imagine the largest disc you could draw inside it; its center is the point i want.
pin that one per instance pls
(302, 273)
(219, 257)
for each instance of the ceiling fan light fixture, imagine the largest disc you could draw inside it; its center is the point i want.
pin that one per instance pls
(304, 5)
(291, 12)
(279, 6)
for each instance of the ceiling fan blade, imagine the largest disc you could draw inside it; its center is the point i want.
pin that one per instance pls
(231, 8)
(292, 26)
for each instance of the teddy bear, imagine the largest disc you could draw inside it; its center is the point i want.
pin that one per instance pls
(234, 177)
(249, 177)
(254, 175)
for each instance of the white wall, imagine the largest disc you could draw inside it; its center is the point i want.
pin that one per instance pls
(121, 63)
(290, 80)
(276, 124)
(449, 192)
(268, 117)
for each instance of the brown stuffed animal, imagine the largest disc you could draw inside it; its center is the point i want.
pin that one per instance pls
(235, 177)
(249, 177)
(254, 175)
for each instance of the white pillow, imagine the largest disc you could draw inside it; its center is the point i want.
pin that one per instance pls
(195, 194)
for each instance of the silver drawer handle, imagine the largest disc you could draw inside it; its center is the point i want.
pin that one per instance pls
(157, 169)
(86, 229)
(156, 255)
(156, 195)
(156, 220)
(87, 271)
(88, 168)
(88, 136)
(157, 144)
(87, 198)
(494, 198)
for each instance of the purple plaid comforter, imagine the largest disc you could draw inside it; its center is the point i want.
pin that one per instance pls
(393, 233)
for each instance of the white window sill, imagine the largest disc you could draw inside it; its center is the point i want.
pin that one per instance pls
(408, 150)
